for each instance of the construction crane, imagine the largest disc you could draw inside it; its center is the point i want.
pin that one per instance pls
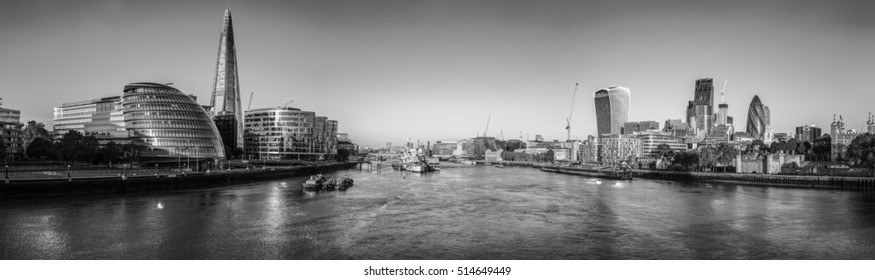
(723, 92)
(287, 103)
(487, 124)
(568, 120)
(250, 101)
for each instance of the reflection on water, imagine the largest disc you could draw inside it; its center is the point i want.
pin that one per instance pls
(457, 213)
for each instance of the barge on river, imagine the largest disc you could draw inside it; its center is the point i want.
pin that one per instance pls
(603, 172)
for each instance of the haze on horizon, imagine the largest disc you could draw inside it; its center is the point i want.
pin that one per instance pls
(434, 70)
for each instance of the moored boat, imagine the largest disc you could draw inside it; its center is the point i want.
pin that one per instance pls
(315, 182)
(345, 183)
(607, 173)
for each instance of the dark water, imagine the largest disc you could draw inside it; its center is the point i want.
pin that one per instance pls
(457, 213)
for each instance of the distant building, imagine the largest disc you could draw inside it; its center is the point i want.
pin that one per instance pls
(619, 148)
(678, 128)
(493, 156)
(342, 136)
(444, 147)
(539, 138)
(102, 118)
(700, 111)
(719, 134)
(589, 150)
(514, 144)
(758, 120)
(633, 127)
(650, 142)
(227, 126)
(841, 138)
(611, 109)
(10, 129)
(780, 137)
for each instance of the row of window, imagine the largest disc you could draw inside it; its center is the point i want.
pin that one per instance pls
(167, 115)
(174, 133)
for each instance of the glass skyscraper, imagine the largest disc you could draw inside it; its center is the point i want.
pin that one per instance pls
(101, 118)
(225, 98)
(758, 119)
(611, 109)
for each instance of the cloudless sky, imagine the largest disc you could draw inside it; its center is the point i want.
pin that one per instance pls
(434, 70)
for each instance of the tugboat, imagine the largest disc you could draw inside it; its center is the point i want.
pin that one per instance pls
(345, 183)
(315, 182)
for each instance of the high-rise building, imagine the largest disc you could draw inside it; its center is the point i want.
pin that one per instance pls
(758, 123)
(807, 133)
(700, 111)
(168, 125)
(101, 118)
(611, 109)
(841, 139)
(225, 99)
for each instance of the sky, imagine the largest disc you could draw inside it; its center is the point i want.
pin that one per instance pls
(437, 70)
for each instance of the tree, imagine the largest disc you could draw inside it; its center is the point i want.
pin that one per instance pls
(39, 148)
(707, 156)
(822, 147)
(549, 156)
(862, 149)
(32, 131)
(71, 145)
(662, 150)
(726, 154)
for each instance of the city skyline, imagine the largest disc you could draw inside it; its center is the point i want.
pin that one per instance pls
(393, 70)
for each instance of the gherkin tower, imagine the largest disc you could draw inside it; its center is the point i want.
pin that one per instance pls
(225, 98)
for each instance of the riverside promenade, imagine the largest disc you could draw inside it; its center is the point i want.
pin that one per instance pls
(795, 181)
(144, 180)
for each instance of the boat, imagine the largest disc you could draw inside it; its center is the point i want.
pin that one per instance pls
(434, 163)
(592, 171)
(315, 182)
(345, 184)
(330, 185)
(418, 167)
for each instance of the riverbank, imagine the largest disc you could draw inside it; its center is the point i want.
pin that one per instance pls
(32, 188)
(820, 182)
(823, 182)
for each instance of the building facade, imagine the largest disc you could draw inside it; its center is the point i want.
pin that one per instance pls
(650, 142)
(700, 111)
(808, 133)
(102, 118)
(288, 133)
(758, 120)
(841, 139)
(611, 109)
(11, 134)
(634, 127)
(619, 148)
(225, 98)
(168, 126)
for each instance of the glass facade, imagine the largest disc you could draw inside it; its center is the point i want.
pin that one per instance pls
(611, 109)
(288, 133)
(167, 123)
(225, 99)
(757, 118)
(101, 118)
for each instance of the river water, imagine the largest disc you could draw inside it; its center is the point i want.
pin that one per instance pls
(473, 212)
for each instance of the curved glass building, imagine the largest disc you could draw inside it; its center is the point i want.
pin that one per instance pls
(757, 118)
(168, 124)
(288, 133)
(611, 109)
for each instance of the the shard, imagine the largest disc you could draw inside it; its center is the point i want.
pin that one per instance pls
(225, 99)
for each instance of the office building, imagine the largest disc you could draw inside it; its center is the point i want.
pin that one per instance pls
(619, 148)
(225, 98)
(634, 127)
(758, 120)
(169, 126)
(289, 133)
(808, 133)
(101, 118)
(651, 141)
(11, 134)
(611, 109)
(700, 111)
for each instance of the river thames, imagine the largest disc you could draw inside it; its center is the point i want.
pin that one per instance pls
(470, 212)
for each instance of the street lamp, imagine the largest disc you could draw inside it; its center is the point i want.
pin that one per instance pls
(7, 174)
(68, 171)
